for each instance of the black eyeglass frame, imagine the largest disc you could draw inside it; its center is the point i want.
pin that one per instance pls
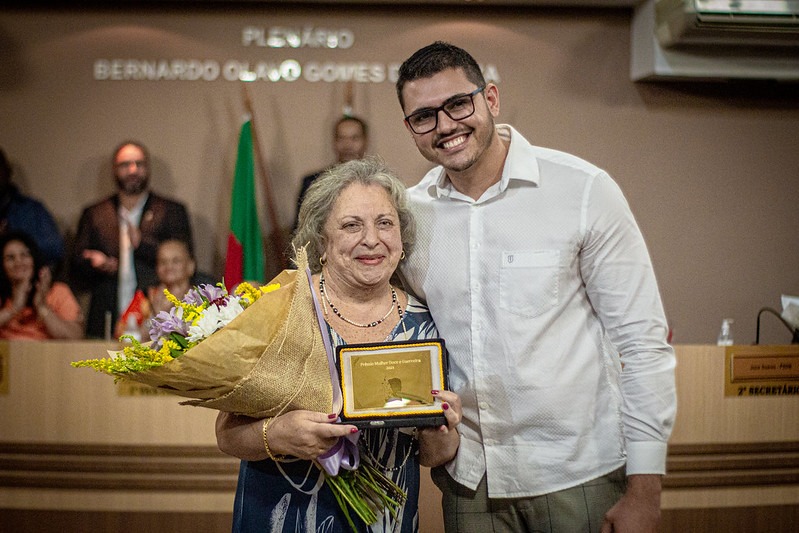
(443, 107)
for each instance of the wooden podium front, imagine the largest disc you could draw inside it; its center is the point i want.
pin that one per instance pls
(78, 453)
(733, 463)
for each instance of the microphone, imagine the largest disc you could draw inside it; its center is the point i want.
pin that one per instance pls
(791, 328)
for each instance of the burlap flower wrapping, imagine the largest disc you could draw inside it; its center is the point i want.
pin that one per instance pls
(268, 360)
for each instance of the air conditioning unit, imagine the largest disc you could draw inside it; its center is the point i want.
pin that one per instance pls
(727, 22)
(732, 47)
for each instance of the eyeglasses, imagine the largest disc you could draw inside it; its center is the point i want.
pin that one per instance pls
(458, 107)
(137, 164)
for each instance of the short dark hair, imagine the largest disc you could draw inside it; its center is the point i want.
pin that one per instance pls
(130, 142)
(434, 58)
(351, 118)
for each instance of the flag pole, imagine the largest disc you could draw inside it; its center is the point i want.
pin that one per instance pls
(349, 91)
(277, 234)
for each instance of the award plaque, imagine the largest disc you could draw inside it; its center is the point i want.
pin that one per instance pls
(390, 384)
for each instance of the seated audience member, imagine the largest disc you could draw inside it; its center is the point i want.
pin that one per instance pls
(22, 213)
(32, 306)
(177, 271)
(175, 268)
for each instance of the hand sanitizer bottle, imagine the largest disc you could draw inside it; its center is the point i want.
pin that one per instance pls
(725, 335)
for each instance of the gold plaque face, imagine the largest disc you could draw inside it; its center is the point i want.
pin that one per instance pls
(389, 385)
(763, 371)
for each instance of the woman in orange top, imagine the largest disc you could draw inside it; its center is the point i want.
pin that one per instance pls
(32, 306)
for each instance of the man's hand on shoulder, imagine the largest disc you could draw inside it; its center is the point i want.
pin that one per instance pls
(638, 511)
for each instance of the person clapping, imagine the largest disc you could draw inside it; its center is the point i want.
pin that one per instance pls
(32, 305)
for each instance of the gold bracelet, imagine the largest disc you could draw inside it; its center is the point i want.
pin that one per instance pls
(276, 458)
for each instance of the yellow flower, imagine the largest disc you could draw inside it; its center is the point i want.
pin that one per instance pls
(138, 357)
(251, 294)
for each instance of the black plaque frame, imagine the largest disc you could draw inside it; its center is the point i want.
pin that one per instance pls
(390, 384)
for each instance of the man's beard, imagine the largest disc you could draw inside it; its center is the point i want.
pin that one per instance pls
(132, 187)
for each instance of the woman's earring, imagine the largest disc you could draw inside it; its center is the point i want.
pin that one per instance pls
(322, 261)
(402, 255)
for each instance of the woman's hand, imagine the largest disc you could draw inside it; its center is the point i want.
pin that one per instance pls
(42, 287)
(302, 434)
(440, 444)
(57, 327)
(19, 300)
(19, 295)
(158, 300)
(305, 434)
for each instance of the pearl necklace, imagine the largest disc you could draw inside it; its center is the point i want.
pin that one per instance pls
(394, 301)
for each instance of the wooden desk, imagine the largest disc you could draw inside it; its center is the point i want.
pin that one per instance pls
(71, 446)
(75, 450)
(733, 462)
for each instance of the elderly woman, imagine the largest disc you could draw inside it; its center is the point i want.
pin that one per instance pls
(175, 268)
(357, 229)
(32, 306)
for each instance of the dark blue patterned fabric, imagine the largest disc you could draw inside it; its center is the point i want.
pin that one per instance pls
(282, 497)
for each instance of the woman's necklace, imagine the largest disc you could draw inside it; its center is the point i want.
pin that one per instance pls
(394, 302)
(367, 446)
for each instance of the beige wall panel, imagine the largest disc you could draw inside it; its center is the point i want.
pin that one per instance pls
(710, 170)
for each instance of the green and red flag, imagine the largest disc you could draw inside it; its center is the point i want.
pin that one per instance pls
(244, 260)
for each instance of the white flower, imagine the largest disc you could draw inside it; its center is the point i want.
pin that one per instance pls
(213, 318)
(230, 311)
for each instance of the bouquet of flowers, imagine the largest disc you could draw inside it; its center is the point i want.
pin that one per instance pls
(204, 310)
(258, 352)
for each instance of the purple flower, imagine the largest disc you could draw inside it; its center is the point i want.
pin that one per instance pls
(165, 323)
(204, 293)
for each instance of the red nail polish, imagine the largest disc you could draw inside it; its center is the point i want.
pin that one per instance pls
(332, 416)
(445, 406)
(434, 392)
(354, 430)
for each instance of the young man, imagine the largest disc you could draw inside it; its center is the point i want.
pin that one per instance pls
(540, 281)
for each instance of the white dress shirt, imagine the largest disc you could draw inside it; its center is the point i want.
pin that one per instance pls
(543, 290)
(127, 282)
